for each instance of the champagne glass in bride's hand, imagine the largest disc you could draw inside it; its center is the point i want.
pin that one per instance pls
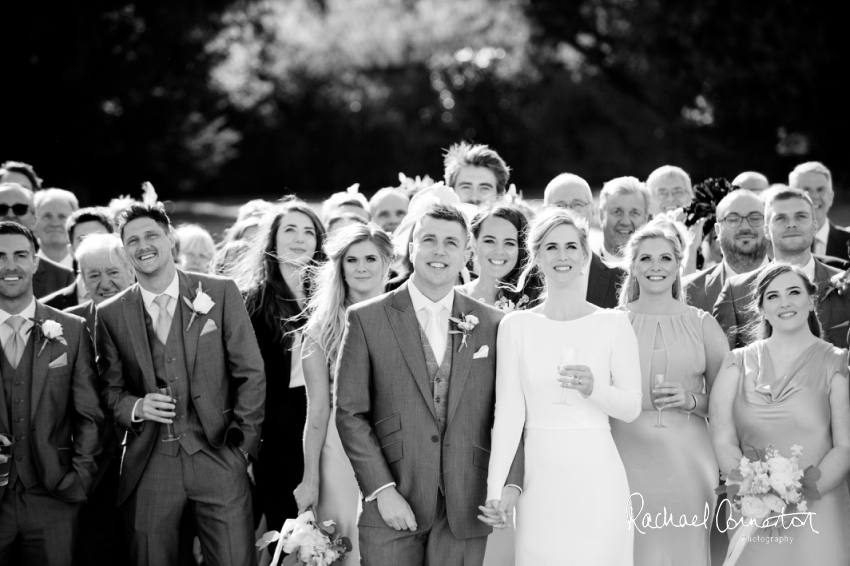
(658, 381)
(170, 426)
(569, 357)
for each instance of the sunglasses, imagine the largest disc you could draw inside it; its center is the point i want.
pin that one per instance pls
(17, 209)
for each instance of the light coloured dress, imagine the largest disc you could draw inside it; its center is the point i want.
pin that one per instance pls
(572, 509)
(671, 468)
(784, 411)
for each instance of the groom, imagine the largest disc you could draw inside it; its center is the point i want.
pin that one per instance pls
(415, 404)
(149, 337)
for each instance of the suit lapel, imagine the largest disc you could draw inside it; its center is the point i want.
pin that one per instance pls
(714, 285)
(461, 358)
(134, 318)
(4, 416)
(405, 325)
(40, 363)
(822, 278)
(598, 281)
(188, 288)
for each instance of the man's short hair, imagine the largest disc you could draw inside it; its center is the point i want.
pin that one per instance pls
(97, 242)
(623, 186)
(8, 228)
(809, 167)
(97, 214)
(782, 193)
(136, 211)
(21, 168)
(443, 212)
(20, 187)
(670, 171)
(381, 193)
(467, 155)
(53, 193)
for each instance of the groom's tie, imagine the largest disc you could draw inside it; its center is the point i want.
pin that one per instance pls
(434, 332)
(163, 321)
(15, 343)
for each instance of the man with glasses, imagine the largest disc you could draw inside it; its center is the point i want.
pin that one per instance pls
(623, 208)
(16, 205)
(600, 281)
(740, 231)
(790, 226)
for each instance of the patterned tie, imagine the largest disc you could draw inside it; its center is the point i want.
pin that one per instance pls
(15, 344)
(163, 323)
(434, 332)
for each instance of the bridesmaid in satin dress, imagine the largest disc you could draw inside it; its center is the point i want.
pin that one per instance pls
(790, 387)
(359, 258)
(672, 468)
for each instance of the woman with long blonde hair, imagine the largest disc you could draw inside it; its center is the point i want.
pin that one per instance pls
(359, 259)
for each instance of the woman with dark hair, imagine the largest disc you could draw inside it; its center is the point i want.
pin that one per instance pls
(498, 239)
(273, 278)
(789, 388)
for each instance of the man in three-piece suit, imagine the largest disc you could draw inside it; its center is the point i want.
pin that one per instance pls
(790, 226)
(816, 180)
(415, 403)
(189, 332)
(741, 235)
(49, 405)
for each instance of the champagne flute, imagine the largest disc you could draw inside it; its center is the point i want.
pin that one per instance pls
(170, 426)
(658, 381)
(569, 357)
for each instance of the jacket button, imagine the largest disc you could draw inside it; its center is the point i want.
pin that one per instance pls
(435, 438)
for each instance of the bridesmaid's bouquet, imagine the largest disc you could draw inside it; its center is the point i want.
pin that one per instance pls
(307, 542)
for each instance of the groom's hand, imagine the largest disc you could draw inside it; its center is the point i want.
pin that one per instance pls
(395, 511)
(497, 511)
(156, 407)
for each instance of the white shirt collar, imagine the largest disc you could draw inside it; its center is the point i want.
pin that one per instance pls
(173, 291)
(823, 233)
(420, 301)
(27, 314)
(809, 268)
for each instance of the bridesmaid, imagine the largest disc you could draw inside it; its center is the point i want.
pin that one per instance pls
(359, 259)
(273, 278)
(672, 468)
(499, 235)
(790, 387)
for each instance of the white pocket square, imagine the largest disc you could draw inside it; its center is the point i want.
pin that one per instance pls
(59, 362)
(209, 326)
(482, 352)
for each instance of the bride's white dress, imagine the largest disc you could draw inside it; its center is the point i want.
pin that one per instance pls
(573, 506)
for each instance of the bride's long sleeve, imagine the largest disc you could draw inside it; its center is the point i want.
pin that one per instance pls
(510, 407)
(621, 396)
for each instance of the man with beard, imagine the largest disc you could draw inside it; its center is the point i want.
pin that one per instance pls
(623, 208)
(790, 226)
(739, 228)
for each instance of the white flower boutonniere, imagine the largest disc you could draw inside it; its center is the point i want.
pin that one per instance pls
(201, 304)
(465, 324)
(47, 331)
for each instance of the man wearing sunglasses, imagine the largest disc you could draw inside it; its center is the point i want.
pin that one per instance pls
(740, 231)
(16, 205)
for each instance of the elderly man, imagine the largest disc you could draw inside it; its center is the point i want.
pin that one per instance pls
(751, 181)
(16, 205)
(82, 223)
(740, 231)
(790, 227)
(476, 173)
(53, 207)
(670, 188)
(600, 281)
(389, 207)
(816, 180)
(623, 208)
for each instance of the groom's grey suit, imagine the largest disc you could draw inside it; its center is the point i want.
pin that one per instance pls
(390, 427)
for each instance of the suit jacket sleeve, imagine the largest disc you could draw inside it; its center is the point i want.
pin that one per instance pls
(89, 428)
(724, 313)
(118, 400)
(247, 372)
(353, 407)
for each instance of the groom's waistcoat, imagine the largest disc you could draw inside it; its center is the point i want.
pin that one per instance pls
(169, 363)
(17, 386)
(439, 379)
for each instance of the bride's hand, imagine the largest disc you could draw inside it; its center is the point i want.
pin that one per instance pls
(306, 495)
(577, 377)
(496, 512)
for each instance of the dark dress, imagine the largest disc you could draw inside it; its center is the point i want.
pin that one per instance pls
(280, 466)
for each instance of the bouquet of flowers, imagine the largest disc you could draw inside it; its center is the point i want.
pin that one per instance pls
(307, 542)
(506, 305)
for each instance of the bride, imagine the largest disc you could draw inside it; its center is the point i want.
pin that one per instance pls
(573, 507)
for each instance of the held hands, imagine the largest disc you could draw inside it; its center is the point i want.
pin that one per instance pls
(306, 495)
(576, 377)
(395, 511)
(496, 512)
(156, 407)
(676, 397)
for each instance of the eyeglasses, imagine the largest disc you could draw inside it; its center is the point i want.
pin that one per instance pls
(575, 205)
(754, 219)
(17, 209)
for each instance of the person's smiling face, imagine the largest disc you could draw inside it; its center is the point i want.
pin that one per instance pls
(437, 252)
(497, 247)
(786, 303)
(790, 225)
(655, 266)
(18, 263)
(560, 256)
(148, 245)
(476, 185)
(363, 268)
(622, 216)
(296, 238)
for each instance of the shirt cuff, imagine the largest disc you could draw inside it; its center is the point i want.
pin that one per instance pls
(133, 418)
(516, 486)
(379, 490)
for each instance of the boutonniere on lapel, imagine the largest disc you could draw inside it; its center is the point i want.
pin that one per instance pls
(465, 324)
(201, 305)
(838, 284)
(46, 331)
